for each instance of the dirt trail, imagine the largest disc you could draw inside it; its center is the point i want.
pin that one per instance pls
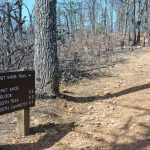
(111, 113)
(121, 118)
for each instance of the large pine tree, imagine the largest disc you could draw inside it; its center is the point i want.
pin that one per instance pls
(46, 58)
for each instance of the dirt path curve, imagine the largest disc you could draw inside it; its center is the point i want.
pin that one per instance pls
(111, 113)
(121, 118)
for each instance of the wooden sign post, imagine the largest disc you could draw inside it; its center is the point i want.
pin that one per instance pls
(23, 122)
(17, 93)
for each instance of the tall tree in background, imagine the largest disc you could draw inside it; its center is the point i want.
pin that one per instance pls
(139, 22)
(92, 15)
(112, 15)
(46, 59)
(134, 22)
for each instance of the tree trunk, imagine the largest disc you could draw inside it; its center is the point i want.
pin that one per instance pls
(46, 58)
(146, 35)
(7, 36)
(139, 23)
(134, 23)
(126, 19)
(112, 16)
(105, 17)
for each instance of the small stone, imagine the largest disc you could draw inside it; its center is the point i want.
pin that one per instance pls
(121, 82)
(36, 122)
(140, 66)
(114, 102)
(44, 115)
(81, 125)
(32, 142)
(103, 115)
(97, 94)
(108, 93)
(90, 107)
(13, 122)
(112, 122)
(112, 108)
(14, 141)
(70, 109)
(76, 135)
(65, 91)
(89, 113)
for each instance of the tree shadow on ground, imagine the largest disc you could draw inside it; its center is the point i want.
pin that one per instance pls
(107, 96)
(137, 144)
(53, 133)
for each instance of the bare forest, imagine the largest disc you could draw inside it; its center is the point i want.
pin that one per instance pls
(91, 62)
(91, 35)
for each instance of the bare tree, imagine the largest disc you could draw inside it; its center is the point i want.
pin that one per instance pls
(92, 14)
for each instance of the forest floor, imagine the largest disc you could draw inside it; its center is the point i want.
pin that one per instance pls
(109, 113)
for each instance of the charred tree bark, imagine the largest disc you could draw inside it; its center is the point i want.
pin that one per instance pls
(46, 58)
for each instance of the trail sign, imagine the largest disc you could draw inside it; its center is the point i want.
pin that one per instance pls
(17, 91)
